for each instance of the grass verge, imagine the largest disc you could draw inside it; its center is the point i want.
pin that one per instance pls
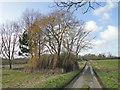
(107, 70)
(21, 79)
(58, 82)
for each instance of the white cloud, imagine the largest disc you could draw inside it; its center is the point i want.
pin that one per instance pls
(98, 42)
(103, 11)
(92, 26)
(110, 34)
(106, 16)
(89, 51)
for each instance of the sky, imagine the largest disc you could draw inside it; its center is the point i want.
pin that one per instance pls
(103, 21)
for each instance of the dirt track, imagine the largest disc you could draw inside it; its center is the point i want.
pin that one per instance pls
(86, 78)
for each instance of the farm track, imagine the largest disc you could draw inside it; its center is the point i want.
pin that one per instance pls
(86, 78)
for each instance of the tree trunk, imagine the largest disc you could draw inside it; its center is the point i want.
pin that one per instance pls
(39, 50)
(10, 64)
(58, 57)
(76, 55)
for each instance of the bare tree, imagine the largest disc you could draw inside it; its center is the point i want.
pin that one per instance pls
(56, 25)
(29, 17)
(55, 31)
(9, 34)
(86, 5)
(77, 39)
(83, 42)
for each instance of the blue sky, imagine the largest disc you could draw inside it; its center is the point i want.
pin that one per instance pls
(103, 21)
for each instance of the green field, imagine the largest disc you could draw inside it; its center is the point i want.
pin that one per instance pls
(15, 61)
(21, 79)
(107, 70)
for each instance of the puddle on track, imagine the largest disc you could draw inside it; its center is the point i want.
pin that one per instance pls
(87, 78)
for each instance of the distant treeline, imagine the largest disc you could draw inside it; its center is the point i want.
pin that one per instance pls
(98, 57)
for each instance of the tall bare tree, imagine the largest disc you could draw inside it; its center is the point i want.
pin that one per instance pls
(56, 25)
(29, 16)
(9, 34)
(78, 39)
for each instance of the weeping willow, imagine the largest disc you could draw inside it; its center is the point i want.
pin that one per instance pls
(34, 35)
(36, 42)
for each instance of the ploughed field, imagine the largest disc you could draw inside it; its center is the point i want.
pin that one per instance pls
(107, 70)
(19, 79)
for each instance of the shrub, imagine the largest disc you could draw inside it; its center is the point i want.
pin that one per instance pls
(67, 63)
